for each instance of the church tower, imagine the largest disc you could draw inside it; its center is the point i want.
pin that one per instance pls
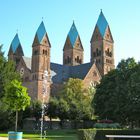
(40, 60)
(73, 48)
(102, 48)
(15, 52)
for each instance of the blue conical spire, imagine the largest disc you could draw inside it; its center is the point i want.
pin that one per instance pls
(15, 43)
(102, 23)
(73, 34)
(41, 32)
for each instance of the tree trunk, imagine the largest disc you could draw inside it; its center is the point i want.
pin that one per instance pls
(16, 120)
(50, 122)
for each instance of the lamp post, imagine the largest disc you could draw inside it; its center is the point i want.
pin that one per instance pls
(44, 95)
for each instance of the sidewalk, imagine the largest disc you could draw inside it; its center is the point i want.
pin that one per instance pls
(3, 138)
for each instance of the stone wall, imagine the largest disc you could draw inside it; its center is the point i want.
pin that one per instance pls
(31, 125)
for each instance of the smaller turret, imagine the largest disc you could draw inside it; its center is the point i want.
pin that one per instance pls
(15, 52)
(73, 48)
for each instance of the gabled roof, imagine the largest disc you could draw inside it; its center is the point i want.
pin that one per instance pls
(59, 72)
(102, 24)
(27, 61)
(15, 43)
(73, 34)
(41, 32)
(80, 71)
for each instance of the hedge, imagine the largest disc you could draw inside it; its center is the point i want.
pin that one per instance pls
(95, 134)
(107, 125)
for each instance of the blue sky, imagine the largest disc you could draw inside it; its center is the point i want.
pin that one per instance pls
(25, 16)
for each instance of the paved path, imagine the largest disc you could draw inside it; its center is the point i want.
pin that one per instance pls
(4, 138)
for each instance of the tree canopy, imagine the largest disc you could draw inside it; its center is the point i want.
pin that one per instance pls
(73, 103)
(16, 97)
(117, 96)
(7, 72)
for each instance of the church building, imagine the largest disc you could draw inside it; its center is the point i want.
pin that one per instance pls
(32, 69)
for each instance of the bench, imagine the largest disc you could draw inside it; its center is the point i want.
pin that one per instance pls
(111, 137)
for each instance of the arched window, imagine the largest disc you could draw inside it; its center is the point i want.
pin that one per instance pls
(68, 59)
(94, 54)
(35, 52)
(78, 60)
(46, 52)
(94, 73)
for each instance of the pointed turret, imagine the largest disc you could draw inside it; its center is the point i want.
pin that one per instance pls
(102, 49)
(73, 48)
(73, 34)
(41, 36)
(102, 24)
(16, 46)
(15, 51)
(15, 43)
(102, 29)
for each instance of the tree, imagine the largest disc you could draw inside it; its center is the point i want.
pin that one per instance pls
(74, 101)
(51, 110)
(7, 72)
(6, 117)
(36, 109)
(16, 97)
(117, 96)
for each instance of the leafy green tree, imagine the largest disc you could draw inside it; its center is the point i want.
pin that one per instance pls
(63, 109)
(16, 97)
(32, 111)
(7, 72)
(6, 117)
(117, 96)
(36, 109)
(51, 110)
(74, 101)
(1, 52)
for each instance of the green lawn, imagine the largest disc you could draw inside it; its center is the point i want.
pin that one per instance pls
(51, 135)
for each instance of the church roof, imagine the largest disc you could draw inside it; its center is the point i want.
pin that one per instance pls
(73, 34)
(102, 24)
(61, 73)
(27, 61)
(80, 71)
(41, 32)
(15, 43)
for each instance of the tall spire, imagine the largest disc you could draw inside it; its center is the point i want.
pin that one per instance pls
(102, 23)
(15, 43)
(41, 32)
(73, 34)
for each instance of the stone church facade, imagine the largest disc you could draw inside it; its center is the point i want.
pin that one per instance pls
(32, 69)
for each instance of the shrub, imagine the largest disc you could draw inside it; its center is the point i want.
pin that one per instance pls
(95, 134)
(86, 134)
(105, 121)
(107, 125)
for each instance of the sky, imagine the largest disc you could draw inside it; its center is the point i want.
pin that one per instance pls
(24, 17)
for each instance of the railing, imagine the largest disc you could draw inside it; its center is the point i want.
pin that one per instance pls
(111, 137)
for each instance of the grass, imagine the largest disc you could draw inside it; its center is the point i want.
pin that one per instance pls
(51, 135)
